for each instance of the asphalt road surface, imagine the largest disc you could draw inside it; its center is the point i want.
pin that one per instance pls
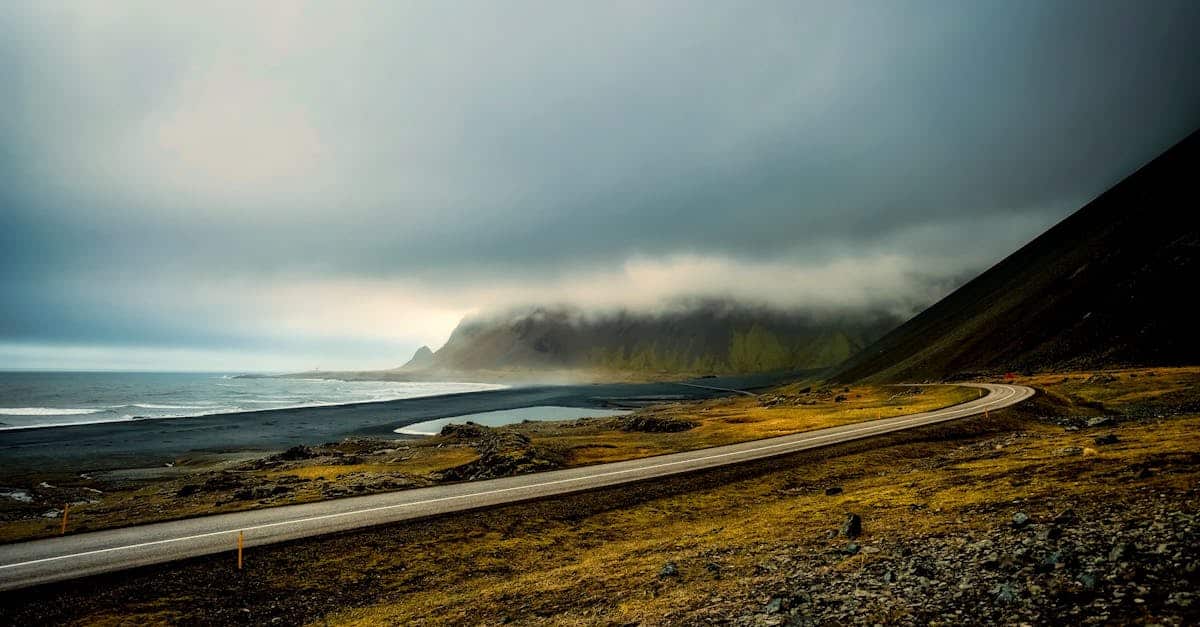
(67, 557)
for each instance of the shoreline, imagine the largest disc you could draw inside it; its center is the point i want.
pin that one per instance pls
(133, 419)
(144, 443)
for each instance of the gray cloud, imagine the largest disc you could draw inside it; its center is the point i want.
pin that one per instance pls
(179, 175)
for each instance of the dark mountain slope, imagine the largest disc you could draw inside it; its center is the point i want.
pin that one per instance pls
(704, 338)
(1114, 283)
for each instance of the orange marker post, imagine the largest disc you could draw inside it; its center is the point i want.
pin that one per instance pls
(240, 541)
(66, 506)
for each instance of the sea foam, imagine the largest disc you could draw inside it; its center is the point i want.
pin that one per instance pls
(47, 411)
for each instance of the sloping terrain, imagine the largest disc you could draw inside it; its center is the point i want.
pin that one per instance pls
(1113, 284)
(706, 338)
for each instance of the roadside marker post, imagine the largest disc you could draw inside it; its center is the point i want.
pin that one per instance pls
(66, 506)
(240, 542)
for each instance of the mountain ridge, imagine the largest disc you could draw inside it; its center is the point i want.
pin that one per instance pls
(1108, 285)
(709, 338)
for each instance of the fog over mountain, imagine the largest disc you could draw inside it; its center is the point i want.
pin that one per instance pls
(690, 337)
(283, 186)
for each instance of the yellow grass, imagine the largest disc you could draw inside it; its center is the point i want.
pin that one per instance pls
(721, 421)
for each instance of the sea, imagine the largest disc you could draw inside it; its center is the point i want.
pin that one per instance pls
(30, 400)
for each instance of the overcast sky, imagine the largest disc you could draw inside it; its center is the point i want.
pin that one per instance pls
(278, 186)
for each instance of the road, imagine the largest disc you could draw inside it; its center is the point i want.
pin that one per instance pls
(67, 557)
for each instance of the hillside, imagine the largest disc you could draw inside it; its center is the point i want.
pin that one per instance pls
(1112, 284)
(707, 338)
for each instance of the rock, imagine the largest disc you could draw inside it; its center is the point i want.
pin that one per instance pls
(655, 424)
(776, 605)
(1020, 519)
(1064, 517)
(1053, 561)
(1049, 532)
(221, 481)
(851, 549)
(1100, 378)
(713, 569)
(465, 431)
(1108, 438)
(840, 398)
(1099, 421)
(833, 490)
(297, 453)
(1071, 451)
(852, 528)
(669, 571)
(1120, 552)
(1004, 593)
(187, 490)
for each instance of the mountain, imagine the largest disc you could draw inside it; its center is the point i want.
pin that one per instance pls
(700, 339)
(423, 358)
(1112, 284)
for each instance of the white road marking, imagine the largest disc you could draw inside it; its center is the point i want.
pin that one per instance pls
(888, 426)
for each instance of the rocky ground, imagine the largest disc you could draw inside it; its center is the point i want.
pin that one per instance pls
(1133, 562)
(1067, 559)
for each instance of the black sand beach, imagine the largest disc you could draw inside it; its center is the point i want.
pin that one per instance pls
(107, 446)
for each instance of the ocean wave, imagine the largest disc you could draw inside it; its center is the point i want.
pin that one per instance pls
(47, 411)
(226, 403)
(153, 406)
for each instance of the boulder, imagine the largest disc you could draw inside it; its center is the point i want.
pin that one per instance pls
(465, 431)
(298, 453)
(852, 528)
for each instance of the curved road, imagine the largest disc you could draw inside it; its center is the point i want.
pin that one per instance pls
(55, 559)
